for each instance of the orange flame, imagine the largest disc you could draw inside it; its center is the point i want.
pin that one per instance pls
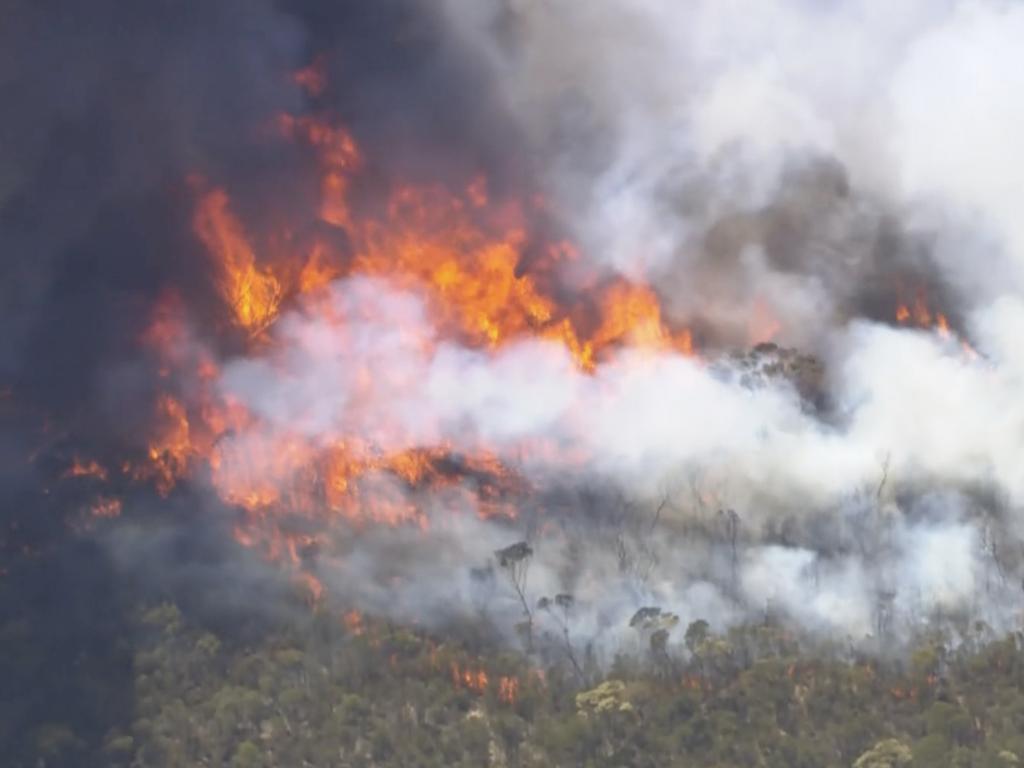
(764, 324)
(473, 680)
(919, 315)
(106, 507)
(692, 682)
(353, 621)
(312, 584)
(312, 79)
(252, 293)
(340, 158)
(89, 468)
(508, 690)
(171, 450)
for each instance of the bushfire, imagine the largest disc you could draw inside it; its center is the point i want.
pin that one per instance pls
(486, 278)
(486, 271)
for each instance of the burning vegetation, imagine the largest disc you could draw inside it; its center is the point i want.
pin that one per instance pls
(486, 280)
(316, 401)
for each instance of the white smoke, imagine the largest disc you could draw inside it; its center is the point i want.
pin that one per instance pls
(915, 410)
(657, 119)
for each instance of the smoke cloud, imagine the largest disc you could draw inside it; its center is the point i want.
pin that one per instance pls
(790, 173)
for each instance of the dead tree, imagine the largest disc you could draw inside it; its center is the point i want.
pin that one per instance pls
(634, 542)
(990, 545)
(564, 603)
(885, 600)
(655, 625)
(514, 560)
(731, 524)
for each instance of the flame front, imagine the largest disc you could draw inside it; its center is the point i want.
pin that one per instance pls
(459, 250)
(919, 315)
